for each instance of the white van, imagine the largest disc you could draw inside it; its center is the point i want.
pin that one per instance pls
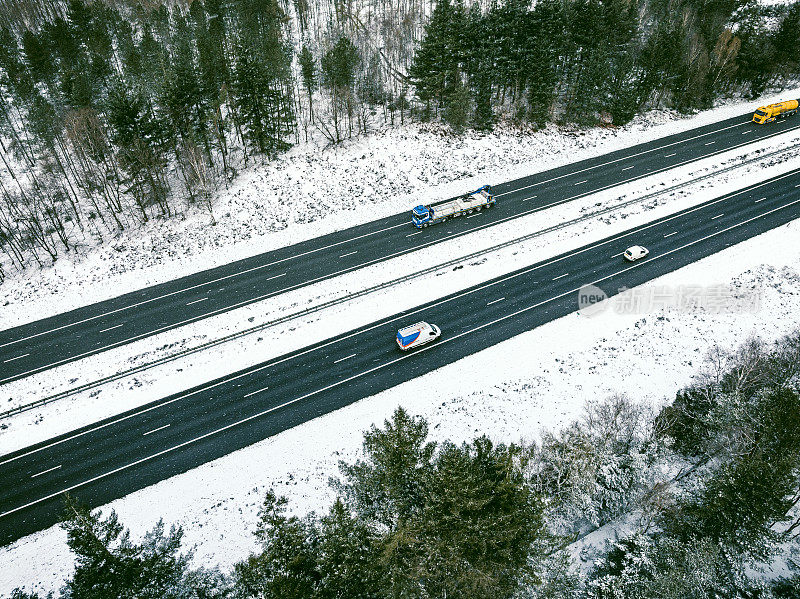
(417, 334)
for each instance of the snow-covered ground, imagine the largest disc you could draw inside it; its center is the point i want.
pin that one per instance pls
(539, 379)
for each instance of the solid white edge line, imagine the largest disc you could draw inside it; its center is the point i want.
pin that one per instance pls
(426, 307)
(384, 365)
(155, 430)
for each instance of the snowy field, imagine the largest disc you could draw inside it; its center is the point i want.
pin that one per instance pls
(525, 389)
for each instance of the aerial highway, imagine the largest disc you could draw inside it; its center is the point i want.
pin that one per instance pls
(112, 458)
(43, 344)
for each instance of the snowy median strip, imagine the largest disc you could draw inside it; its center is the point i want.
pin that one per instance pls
(392, 361)
(395, 281)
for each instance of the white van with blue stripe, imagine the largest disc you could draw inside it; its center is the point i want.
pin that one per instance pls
(417, 334)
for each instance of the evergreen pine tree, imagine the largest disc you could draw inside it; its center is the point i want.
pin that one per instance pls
(109, 564)
(436, 57)
(338, 68)
(544, 42)
(483, 118)
(785, 40)
(479, 523)
(742, 501)
(183, 94)
(286, 566)
(387, 487)
(458, 109)
(38, 57)
(209, 33)
(262, 75)
(99, 42)
(308, 71)
(348, 557)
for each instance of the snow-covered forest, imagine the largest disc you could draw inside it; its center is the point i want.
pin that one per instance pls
(701, 493)
(118, 113)
(121, 115)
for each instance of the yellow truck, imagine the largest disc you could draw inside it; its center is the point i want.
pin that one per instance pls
(767, 114)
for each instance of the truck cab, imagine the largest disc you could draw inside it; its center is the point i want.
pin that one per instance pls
(421, 215)
(760, 116)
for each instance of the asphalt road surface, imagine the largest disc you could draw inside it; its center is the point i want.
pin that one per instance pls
(43, 344)
(128, 452)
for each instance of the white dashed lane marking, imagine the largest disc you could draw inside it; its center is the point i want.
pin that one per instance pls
(17, 358)
(160, 428)
(343, 359)
(46, 471)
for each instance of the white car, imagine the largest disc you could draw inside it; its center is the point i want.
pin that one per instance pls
(417, 334)
(635, 252)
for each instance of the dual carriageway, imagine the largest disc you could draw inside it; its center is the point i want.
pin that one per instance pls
(133, 450)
